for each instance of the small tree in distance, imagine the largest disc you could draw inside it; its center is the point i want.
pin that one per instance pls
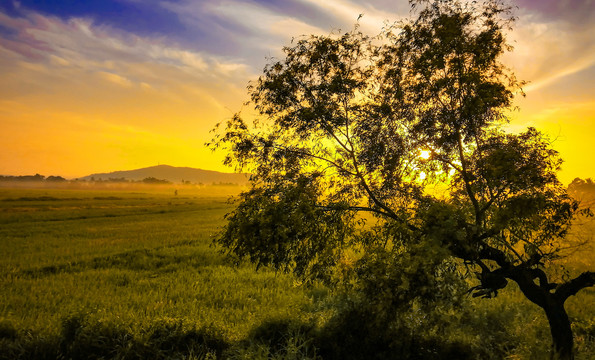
(351, 124)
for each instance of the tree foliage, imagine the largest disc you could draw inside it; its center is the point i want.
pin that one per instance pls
(340, 186)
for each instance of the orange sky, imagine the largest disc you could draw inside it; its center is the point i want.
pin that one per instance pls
(80, 95)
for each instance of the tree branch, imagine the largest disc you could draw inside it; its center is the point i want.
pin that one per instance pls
(305, 153)
(543, 281)
(356, 208)
(466, 180)
(491, 253)
(566, 290)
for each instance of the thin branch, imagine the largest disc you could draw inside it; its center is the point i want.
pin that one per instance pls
(355, 208)
(339, 167)
(465, 174)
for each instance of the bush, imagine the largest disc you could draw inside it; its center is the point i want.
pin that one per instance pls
(80, 339)
(173, 338)
(357, 332)
(277, 339)
(7, 330)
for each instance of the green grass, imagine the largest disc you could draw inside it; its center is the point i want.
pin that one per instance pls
(132, 273)
(129, 257)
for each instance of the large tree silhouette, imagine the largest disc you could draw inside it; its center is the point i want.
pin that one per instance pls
(349, 124)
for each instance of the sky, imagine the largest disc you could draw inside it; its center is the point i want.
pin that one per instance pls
(104, 85)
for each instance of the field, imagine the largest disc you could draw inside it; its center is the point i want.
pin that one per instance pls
(132, 273)
(130, 259)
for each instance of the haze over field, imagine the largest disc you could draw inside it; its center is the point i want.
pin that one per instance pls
(122, 84)
(173, 174)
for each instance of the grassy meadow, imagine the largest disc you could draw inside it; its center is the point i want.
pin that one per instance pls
(130, 273)
(130, 259)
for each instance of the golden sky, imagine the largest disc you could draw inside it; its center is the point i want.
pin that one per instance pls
(123, 84)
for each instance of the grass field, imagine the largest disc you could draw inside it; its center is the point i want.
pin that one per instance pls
(130, 258)
(110, 273)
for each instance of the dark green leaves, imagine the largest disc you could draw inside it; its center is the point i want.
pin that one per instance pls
(306, 91)
(283, 227)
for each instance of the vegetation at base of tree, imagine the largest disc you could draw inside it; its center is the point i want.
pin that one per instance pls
(353, 132)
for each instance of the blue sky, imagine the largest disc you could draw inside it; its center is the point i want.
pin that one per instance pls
(238, 29)
(142, 82)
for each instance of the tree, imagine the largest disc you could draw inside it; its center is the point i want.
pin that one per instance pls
(350, 125)
(55, 178)
(153, 180)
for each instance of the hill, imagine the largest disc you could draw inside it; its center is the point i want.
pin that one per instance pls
(173, 174)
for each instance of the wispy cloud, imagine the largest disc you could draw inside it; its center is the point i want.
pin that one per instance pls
(54, 45)
(374, 13)
(552, 40)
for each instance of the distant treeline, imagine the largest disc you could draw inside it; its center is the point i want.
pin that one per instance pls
(148, 180)
(583, 186)
(59, 179)
(35, 177)
(583, 190)
(52, 178)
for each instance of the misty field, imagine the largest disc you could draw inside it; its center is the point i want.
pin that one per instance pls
(132, 274)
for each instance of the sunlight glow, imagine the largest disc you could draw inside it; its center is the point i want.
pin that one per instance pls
(81, 94)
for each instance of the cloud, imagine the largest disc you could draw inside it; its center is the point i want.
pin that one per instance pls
(552, 40)
(115, 78)
(577, 13)
(253, 30)
(73, 89)
(56, 46)
(249, 30)
(374, 17)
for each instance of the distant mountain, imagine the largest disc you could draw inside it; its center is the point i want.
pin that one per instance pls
(173, 174)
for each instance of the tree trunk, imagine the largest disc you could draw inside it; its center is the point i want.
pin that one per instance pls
(563, 345)
(553, 304)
